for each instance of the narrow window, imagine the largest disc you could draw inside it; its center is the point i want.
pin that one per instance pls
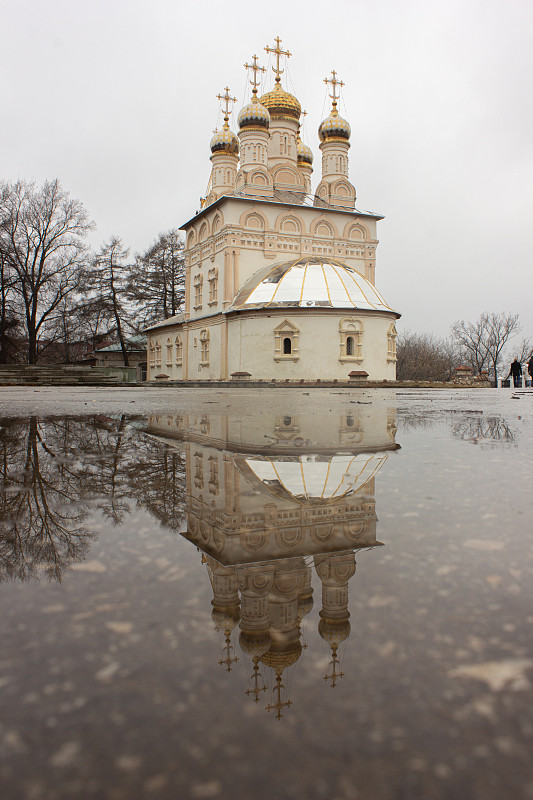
(287, 346)
(349, 346)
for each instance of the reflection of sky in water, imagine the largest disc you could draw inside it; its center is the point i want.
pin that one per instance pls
(114, 675)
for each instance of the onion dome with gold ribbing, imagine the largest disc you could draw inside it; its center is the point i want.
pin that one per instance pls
(304, 153)
(281, 104)
(254, 115)
(334, 127)
(225, 140)
(280, 659)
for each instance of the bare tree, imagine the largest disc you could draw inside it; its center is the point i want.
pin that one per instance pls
(485, 339)
(500, 327)
(471, 338)
(106, 279)
(42, 236)
(157, 283)
(420, 356)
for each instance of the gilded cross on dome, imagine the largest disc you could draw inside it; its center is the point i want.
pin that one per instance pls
(278, 52)
(255, 69)
(334, 82)
(226, 97)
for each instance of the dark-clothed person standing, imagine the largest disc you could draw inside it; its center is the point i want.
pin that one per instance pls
(516, 372)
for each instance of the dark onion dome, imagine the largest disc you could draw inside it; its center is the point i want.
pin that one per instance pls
(334, 127)
(281, 104)
(224, 139)
(304, 153)
(254, 115)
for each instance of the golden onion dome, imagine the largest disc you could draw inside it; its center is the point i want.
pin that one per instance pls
(334, 127)
(254, 115)
(281, 659)
(224, 139)
(334, 631)
(281, 104)
(304, 154)
(254, 643)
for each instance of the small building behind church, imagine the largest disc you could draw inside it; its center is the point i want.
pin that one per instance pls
(280, 282)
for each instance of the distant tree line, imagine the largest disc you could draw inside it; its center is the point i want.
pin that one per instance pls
(482, 346)
(56, 293)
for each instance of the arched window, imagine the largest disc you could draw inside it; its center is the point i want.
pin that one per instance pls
(351, 339)
(152, 354)
(157, 353)
(286, 342)
(169, 352)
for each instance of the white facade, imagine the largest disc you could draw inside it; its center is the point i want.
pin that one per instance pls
(258, 215)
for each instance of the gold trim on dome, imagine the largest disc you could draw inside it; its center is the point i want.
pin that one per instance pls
(281, 104)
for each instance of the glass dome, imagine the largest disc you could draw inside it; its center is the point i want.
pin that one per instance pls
(309, 282)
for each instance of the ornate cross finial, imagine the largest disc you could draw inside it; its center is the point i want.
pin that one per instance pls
(278, 52)
(255, 69)
(228, 647)
(256, 677)
(334, 663)
(226, 97)
(278, 705)
(334, 82)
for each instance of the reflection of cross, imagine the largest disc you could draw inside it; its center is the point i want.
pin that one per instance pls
(255, 677)
(255, 69)
(226, 97)
(228, 647)
(334, 82)
(333, 664)
(279, 52)
(279, 705)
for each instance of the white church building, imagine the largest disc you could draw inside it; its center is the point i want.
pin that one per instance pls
(280, 281)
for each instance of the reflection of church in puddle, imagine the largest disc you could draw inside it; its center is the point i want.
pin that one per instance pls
(268, 499)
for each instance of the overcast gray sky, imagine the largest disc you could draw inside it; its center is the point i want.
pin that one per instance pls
(116, 98)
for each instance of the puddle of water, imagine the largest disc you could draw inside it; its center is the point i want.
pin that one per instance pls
(271, 605)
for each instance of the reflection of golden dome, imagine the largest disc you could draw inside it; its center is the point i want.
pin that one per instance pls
(255, 644)
(224, 139)
(225, 617)
(305, 156)
(281, 659)
(254, 115)
(334, 631)
(334, 127)
(281, 104)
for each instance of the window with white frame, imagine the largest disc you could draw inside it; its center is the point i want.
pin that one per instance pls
(169, 352)
(198, 281)
(286, 344)
(391, 343)
(351, 339)
(212, 277)
(157, 353)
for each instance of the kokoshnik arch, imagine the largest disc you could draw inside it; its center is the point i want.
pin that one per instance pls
(280, 283)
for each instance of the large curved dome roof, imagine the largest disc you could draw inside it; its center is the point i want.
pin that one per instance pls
(309, 282)
(315, 479)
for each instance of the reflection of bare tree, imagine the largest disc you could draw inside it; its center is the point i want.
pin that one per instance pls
(51, 471)
(482, 430)
(43, 528)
